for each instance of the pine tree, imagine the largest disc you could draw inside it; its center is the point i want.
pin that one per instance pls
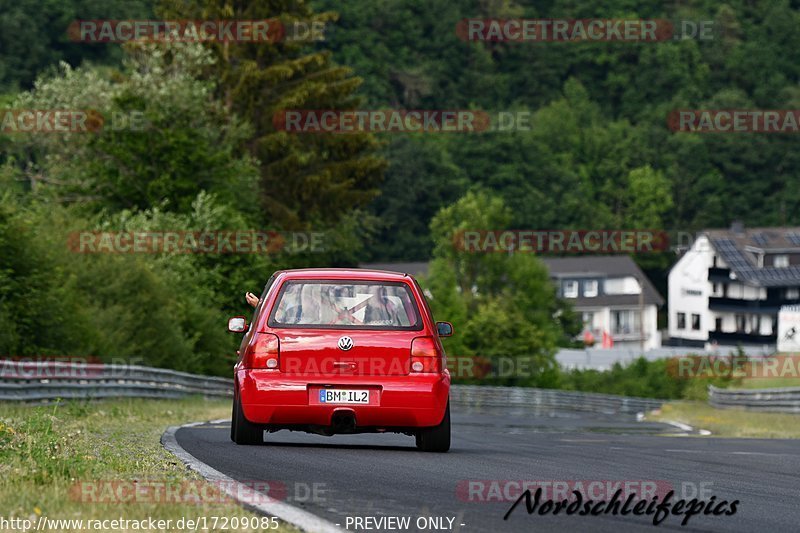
(307, 178)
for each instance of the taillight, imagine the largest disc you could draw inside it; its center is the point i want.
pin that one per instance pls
(262, 352)
(425, 355)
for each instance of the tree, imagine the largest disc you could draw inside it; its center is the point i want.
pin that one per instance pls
(304, 178)
(421, 178)
(504, 304)
(163, 137)
(34, 36)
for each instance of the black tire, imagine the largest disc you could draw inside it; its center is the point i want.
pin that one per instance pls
(437, 438)
(242, 430)
(233, 419)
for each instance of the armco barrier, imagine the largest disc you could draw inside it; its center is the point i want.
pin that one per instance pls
(604, 358)
(786, 400)
(524, 397)
(47, 381)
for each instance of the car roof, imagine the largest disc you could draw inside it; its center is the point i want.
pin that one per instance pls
(343, 273)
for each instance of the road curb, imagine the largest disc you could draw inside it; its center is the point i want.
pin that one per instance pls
(686, 427)
(299, 518)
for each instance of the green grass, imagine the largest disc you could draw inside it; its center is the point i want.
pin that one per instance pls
(766, 383)
(730, 422)
(46, 452)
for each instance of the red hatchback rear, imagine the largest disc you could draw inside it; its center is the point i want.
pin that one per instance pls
(342, 351)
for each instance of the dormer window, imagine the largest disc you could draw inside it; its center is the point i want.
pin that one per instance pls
(570, 289)
(590, 288)
(780, 261)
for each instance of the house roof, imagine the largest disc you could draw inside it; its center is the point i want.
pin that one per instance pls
(740, 247)
(603, 266)
(611, 266)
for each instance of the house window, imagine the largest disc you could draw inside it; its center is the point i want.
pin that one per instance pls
(792, 294)
(590, 288)
(681, 321)
(780, 261)
(588, 319)
(625, 322)
(740, 322)
(695, 322)
(718, 324)
(570, 289)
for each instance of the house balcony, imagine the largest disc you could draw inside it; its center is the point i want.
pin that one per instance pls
(627, 336)
(726, 338)
(737, 305)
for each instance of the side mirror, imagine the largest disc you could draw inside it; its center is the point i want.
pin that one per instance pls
(445, 329)
(237, 324)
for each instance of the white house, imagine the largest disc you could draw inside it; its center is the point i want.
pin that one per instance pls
(613, 297)
(729, 286)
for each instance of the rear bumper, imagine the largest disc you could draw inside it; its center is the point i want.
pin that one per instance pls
(274, 398)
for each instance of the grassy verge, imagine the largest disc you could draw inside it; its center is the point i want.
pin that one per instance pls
(766, 383)
(730, 422)
(49, 455)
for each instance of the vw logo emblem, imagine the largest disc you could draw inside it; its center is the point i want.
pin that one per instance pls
(345, 343)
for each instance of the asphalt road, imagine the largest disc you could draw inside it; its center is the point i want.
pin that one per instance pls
(383, 475)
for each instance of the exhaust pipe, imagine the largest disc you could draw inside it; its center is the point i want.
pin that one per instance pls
(343, 421)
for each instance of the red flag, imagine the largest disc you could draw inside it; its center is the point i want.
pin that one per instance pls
(608, 342)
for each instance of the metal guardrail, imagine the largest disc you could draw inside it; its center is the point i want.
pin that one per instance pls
(604, 358)
(479, 396)
(50, 380)
(785, 400)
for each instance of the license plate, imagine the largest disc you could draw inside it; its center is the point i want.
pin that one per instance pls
(343, 396)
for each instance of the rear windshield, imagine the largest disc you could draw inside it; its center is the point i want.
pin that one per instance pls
(345, 304)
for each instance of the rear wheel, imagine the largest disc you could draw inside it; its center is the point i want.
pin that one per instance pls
(437, 438)
(242, 430)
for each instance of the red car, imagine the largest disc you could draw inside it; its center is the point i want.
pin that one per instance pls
(334, 351)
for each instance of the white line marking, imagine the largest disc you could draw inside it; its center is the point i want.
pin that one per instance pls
(760, 453)
(244, 495)
(716, 452)
(691, 451)
(679, 425)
